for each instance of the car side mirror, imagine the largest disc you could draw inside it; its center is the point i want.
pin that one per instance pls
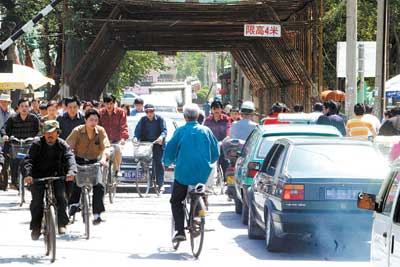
(366, 201)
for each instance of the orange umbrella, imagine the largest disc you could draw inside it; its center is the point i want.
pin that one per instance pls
(335, 95)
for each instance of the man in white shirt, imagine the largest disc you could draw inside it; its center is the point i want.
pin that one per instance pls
(369, 117)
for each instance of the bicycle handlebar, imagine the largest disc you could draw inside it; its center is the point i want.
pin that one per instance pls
(53, 178)
(22, 140)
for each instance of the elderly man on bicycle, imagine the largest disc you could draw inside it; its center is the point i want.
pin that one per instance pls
(49, 156)
(193, 149)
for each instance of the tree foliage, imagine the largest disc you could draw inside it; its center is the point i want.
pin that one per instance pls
(334, 23)
(190, 64)
(134, 67)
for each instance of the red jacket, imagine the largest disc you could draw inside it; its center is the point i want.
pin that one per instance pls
(115, 125)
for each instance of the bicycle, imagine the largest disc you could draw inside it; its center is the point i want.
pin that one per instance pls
(19, 150)
(111, 182)
(143, 155)
(194, 219)
(87, 176)
(49, 221)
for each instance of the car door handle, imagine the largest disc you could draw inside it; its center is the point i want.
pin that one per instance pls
(385, 234)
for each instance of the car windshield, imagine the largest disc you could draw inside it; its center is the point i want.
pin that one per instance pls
(336, 161)
(132, 123)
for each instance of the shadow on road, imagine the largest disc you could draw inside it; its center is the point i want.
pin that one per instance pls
(164, 254)
(316, 250)
(25, 259)
(231, 220)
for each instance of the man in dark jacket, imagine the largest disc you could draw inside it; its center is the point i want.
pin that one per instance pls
(391, 126)
(152, 128)
(331, 117)
(49, 156)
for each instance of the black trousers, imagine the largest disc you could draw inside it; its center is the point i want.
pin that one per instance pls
(36, 206)
(14, 165)
(178, 195)
(4, 172)
(158, 168)
(98, 195)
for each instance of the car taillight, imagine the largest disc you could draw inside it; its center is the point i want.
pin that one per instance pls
(252, 169)
(293, 192)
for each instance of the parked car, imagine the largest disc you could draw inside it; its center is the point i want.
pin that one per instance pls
(128, 165)
(385, 244)
(256, 148)
(128, 98)
(309, 186)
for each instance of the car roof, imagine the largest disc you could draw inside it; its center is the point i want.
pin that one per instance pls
(287, 129)
(322, 140)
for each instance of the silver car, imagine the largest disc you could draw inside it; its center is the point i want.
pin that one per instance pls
(128, 165)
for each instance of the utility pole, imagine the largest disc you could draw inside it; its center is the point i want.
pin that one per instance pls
(361, 60)
(381, 42)
(351, 57)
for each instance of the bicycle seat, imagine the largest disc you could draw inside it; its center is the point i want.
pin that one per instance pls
(199, 189)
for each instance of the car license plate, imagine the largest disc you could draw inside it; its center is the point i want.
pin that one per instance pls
(132, 175)
(230, 179)
(343, 194)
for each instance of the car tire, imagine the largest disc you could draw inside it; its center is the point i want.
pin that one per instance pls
(254, 231)
(245, 212)
(238, 206)
(272, 242)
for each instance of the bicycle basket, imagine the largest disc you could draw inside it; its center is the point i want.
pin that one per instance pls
(18, 148)
(143, 151)
(89, 175)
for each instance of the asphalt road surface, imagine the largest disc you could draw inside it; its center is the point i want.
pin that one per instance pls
(137, 233)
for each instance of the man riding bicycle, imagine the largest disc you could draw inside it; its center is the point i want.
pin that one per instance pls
(90, 145)
(193, 149)
(48, 156)
(21, 125)
(113, 120)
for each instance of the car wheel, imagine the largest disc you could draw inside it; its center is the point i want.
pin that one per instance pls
(272, 242)
(238, 206)
(254, 231)
(245, 212)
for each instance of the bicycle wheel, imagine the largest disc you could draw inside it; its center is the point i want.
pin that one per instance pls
(21, 188)
(219, 181)
(141, 171)
(85, 211)
(196, 225)
(111, 183)
(175, 245)
(50, 233)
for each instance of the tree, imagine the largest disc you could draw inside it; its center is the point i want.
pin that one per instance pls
(334, 23)
(190, 64)
(134, 67)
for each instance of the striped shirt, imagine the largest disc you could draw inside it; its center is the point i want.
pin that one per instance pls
(358, 128)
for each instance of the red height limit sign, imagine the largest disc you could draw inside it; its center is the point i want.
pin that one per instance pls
(262, 30)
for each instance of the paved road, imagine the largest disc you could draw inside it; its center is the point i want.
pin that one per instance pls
(137, 233)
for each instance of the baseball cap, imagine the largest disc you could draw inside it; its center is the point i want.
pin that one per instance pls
(148, 106)
(247, 107)
(50, 126)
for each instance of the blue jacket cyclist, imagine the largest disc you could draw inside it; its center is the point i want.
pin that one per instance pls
(152, 128)
(193, 149)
